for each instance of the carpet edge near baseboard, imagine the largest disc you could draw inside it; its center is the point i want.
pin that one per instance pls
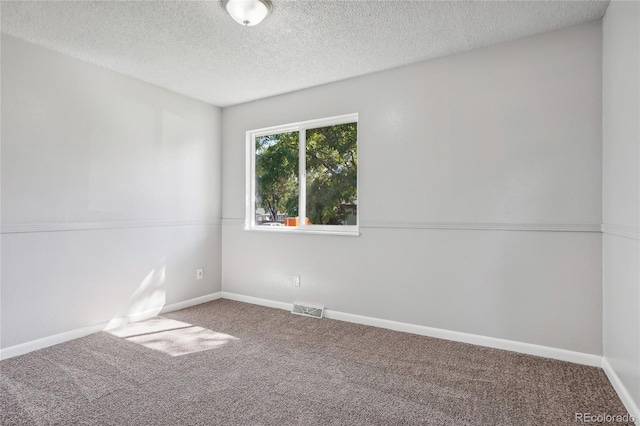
(621, 390)
(474, 339)
(591, 360)
(65, 336)
(486, 341)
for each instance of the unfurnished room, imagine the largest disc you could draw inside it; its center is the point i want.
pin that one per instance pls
(336, 212)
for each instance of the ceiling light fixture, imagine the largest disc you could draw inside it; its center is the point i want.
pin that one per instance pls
(248, 12)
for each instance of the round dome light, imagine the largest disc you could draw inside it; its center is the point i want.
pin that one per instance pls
(248, 12)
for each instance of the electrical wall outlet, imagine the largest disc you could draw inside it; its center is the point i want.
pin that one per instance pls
(199, 274)
(296, 280)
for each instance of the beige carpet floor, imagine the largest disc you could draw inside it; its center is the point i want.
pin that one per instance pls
(231, 363)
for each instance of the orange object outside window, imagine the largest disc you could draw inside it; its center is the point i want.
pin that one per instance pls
(293, 221)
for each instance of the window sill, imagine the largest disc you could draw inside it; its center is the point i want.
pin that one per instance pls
(353, 232)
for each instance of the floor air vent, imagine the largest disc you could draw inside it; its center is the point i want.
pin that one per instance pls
(308, 310)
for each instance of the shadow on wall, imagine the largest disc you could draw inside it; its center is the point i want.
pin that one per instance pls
(146, 301)
(140, 324)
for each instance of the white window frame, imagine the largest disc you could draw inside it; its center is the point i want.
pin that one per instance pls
(301, 127)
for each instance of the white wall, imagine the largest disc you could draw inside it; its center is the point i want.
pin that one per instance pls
(502, 138)
(111, 194)
(621, 193)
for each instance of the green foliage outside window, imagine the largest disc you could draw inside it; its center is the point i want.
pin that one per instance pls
(277, 174)
(331, 174)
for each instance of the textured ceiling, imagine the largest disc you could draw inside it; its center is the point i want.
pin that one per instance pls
(195, 48)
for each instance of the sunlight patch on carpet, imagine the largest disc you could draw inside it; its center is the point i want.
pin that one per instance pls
(172, 337)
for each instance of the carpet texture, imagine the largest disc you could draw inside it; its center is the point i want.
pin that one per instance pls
(232, 363)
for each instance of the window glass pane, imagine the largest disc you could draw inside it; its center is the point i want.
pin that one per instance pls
(332, 186)
(277, 179)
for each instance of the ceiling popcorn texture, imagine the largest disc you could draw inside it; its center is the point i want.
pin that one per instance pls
(195, 48)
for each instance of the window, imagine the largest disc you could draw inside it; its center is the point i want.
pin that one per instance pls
(304, 170)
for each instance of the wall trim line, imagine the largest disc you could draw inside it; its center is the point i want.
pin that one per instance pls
(621, 390)
(22, 228)
(472, 226)
(474, 339)
(482, 226)
(65, 336)
(627, 231)
(230, 220)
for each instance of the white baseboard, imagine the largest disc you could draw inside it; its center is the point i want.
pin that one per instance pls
(191, 302)
(257, 301)
(45, 342)
(621, 390)
(474, 339)
(150, 313)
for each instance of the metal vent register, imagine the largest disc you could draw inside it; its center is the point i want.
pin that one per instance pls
(308, 310)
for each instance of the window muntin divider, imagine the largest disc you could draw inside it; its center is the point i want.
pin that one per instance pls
(302, 178)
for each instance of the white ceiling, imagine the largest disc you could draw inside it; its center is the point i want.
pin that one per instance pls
(195, 48)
